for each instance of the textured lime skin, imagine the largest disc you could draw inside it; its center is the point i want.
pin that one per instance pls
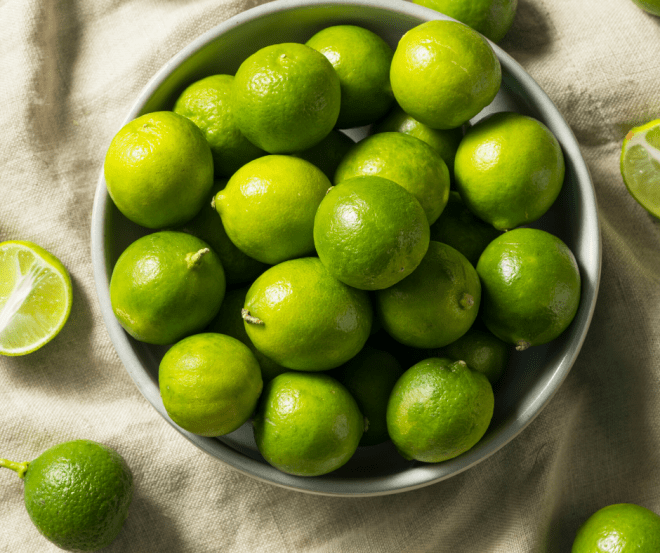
(207, 225)
(362, 61)
(207, 103)
(78, 494)
(436, 304)
(307, 424)
(483, 353)
(509, 169)
(405, 160)
(328, 153)
(286, 97)
(531, 287)
(443, 73)
(158, 294)
(311, 321)
(492, 18)
(640, 165)
(619, 528)
(268, 207)
(439, 409)
(650, 6)
(370, 233)
(159, 170)
(210, 383)
(459, 228)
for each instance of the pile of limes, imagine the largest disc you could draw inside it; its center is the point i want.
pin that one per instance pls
(327, 289)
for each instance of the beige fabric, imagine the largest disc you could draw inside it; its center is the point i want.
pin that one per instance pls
(69, 72)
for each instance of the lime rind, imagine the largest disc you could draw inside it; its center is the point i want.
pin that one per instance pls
(35, 297)
(640, 165)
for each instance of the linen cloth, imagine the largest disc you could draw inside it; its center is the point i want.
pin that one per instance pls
(70, 70)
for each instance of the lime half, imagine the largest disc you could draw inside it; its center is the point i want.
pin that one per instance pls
(640, 165)
(35, 297)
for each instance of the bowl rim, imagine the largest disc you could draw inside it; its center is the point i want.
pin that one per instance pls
(418, 475)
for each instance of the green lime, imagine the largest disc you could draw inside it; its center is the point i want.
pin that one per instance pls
(229, 321)
(327, 154)
(483, 353)
(443, 73)
(159, 170)
(531, 287)
(207, 103)
(509, 169)
(268, 207)
(302, 318)
(307, 424)
(77, 494)
(640, 164)
(459, 228)
(650, 6)
(370, 232)
(436, 304)
(439, 409)
(619, 528)
(405, 160)
(370, 377)
(35, 297)
(207, 226)
(209, 383)
(286, 98)
(362, 61)
(491, 18)
(166, 286)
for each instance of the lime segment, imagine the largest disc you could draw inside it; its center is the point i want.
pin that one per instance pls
(640, 165)
(35, 297)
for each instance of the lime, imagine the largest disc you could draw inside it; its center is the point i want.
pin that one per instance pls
(207, 226)
(619, 528)
(159, 170)
(439, 409)
(362, 61)
(370, 232)
(166, 286)
(405, 160)
(35, 297)
(531, 287)
(481, 351)
(327, 154)
(491, 18)
(436, 304)
(302, 318)
(640, 164)
(650, 6)
(443, 73)
(268, 207)
(509, 169)
(210, 383)
(77, 494)
(370, 377)
(307, 424)
(207, 103)
(459, 228)
(286, 97)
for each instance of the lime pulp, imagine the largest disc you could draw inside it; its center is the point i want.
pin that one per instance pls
(640, 165)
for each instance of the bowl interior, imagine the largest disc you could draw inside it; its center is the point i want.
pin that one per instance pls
(532, 377)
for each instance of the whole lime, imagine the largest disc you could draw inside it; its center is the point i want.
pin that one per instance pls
(509, 169)
(159, 170)
(286, 97)
(370, 232)
(209, 383)
(650, 6)
(165, 286)
(531, 287)
(640, 165)
(620, 528)
(268, 207)
(481, 351)
(443, 73)
(362, 61)
(439, 409)
(436, 304)
(405, 160)
(307, 424)
(328, 153)
(302, 318)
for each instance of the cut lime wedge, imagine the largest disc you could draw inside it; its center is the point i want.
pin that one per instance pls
(640, 165)
(35, 297)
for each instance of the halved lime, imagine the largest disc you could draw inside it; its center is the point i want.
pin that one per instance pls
(35, 297)
(640, 165)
